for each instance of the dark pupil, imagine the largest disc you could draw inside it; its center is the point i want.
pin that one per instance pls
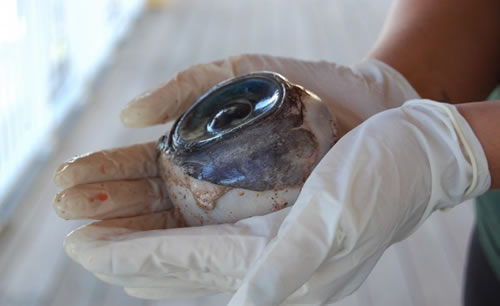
(230, 116)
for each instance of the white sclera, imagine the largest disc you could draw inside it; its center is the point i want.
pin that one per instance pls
(234, 205)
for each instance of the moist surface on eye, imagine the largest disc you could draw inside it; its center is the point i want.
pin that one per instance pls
(275, 153)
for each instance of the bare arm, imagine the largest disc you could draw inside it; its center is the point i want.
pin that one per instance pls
(448, 50)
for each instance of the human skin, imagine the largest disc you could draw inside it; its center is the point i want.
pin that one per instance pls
(450, 52)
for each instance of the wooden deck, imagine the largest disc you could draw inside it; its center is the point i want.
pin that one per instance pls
(425, 270)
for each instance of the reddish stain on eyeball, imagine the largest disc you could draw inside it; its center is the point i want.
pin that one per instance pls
(279, 206)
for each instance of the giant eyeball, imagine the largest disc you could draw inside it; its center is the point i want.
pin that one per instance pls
(245, 148)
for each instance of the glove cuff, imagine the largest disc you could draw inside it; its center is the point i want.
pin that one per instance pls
(480, 179)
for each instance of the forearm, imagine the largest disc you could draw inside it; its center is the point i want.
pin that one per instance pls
(484, 119)
(448, 50)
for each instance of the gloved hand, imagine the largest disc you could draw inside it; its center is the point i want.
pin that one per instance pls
(373, 189)
(352, 94)
(138, 245)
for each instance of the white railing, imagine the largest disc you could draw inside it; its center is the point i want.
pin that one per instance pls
(49, 51)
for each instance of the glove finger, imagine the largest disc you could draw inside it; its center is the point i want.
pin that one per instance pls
(133, 162)
(91, 245)
(188, 278)
(141, 246)
(112, 199)
(169, 293)
(171, 99)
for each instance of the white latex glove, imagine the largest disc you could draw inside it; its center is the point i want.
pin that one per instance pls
(352, 93)
(138, 245)
(373, 189)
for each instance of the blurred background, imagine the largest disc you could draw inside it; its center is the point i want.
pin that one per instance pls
(68, 67)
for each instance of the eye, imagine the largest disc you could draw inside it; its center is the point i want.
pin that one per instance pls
(231, 115)
(228, 107)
